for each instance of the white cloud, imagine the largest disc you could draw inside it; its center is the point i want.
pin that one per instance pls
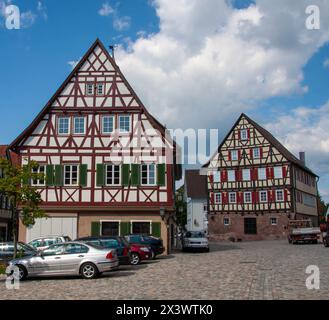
(28, 19)
(106, 10)
(73, 63)
(326, 63)
(42, 10)
(122, 23)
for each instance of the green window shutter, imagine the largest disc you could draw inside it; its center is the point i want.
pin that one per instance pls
(95, 229)
(161, 181)
(58, 182)
(83, 175)
(49, 175)
(135, 175)
(156, 229)
(124, 228)
(26, 180)
(125, 174)
(100, 175)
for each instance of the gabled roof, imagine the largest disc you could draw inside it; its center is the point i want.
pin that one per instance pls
(47, 107)
(272, 140)
(195, 184)
(5, 153)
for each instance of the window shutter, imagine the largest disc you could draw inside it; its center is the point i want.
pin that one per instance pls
(285, 195)
(284, 171)
(255, 174)
(253, 196)
(124, 228)
(156, 229)
(230, 156)
(272, 172)
(26, 180)
(161, 175)
(251, 154)
(58, 182)
(237, 175)
(49, 175)
(135, 175)
(83, 169)
(100, 175)
(211, 178)
(248, 131)
(267, 173)
(240, 197)
(95, 229)
(212, 198)
(125, 175)
(261, 152)
(223, 175)
(239, 155)
(225, 198)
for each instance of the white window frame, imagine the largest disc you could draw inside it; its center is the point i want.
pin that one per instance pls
(230, 175)
(220, 198)
(106, 178)
(276, 221)
(119, 123)
(71, 174)
(244, 172)
(234, 155)
(244, 134)
(260, 196)
(254, 155)
(98, 86)
(216, 174)
(276, 195)
(278, 172)
(262, 174)
(244, 197)
(229, 197)
(92, 89)
(38, 184)
(58, 125)
(226, 224)
(113, 124)
(148, 174)
(74, 124)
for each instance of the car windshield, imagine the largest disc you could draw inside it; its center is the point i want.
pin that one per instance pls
(26, 247)
(195, 234)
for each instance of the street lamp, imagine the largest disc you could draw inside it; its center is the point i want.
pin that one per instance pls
(162, 213)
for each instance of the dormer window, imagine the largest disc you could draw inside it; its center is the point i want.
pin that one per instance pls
(100, 89)
(244, 134)
(89, 89)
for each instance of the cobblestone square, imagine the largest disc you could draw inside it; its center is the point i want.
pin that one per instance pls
(247, 270)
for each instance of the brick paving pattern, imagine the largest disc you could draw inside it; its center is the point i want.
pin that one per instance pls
(249, 270)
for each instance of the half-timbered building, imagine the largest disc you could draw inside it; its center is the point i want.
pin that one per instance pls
(256, 185)
(108, 164)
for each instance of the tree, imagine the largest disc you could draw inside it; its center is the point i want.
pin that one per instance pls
(24, 199)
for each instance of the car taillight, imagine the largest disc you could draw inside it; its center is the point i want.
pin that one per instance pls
(125, 251)
(109, 256)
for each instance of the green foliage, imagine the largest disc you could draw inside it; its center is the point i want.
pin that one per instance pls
(16, 186)
(2, 269)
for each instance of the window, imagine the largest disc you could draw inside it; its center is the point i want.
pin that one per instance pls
(216, 176)
(250, 226)
(278, 173)
(308, 200)
(38, 171)
(231, 175)
(246, 174)
(55, 250)
(108, 124)
(274, 221)
(110, 228)
(247, 197)
(100, 89)
(89, 89)
(79, 125)
(124, 123)
(112, 174)
(232, 197)
(148, 174)
(234, 155)
(218, 198)
(63, 125)
(75, 248)
(226, 221)
(141, 227)
(262, 174)
(71, 175)
(244, 134)
(279, 196)
(263, 196)
(256, 153)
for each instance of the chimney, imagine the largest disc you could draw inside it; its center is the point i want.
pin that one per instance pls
(302, 157)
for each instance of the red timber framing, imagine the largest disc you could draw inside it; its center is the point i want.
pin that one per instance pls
(252, 173)
(144, 142)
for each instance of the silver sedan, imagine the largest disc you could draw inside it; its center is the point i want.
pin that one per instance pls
(70, 258)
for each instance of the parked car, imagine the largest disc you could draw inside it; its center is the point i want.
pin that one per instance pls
(70, 258)
(46, 242)
(194, 240)
(111, 242)
(302, 231)
(7, 250)
(156, 244)
(139, 252)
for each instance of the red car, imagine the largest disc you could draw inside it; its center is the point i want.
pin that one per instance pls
(139, 252)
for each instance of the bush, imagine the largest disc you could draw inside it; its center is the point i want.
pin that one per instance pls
(2, 269)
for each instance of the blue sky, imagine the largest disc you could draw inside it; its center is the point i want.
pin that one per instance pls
(35, 60)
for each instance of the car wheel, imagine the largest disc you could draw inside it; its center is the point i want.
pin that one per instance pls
(89, 271)
(135, 259)
(325, 242)
(22, 273)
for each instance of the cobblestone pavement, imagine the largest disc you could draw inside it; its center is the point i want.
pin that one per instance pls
(250, 270)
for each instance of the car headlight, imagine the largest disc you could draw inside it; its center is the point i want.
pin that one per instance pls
(145, 249)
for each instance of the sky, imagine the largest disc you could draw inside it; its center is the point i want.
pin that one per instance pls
(194, 63)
